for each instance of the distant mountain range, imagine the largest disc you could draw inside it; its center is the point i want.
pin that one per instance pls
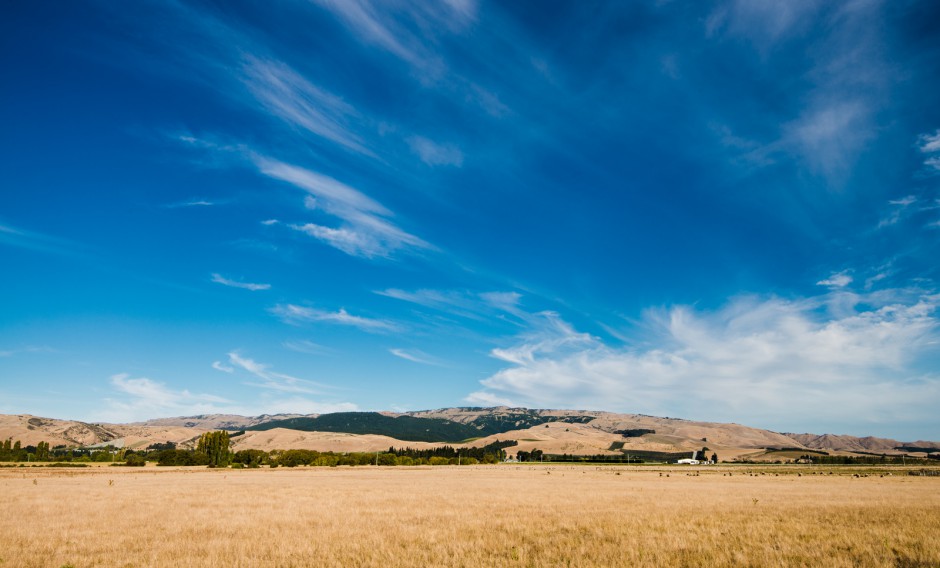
(553, 431)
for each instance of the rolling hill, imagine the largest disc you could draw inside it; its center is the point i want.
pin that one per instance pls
(575, 432)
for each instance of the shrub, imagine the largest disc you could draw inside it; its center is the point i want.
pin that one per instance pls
(135, 460)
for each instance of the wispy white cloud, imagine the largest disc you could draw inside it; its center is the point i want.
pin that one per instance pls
(880, 274)
(830, 135)
(363, 18)
(219, 279)
(900, 206)
(351, 241)
(505, 301)
(269, 222)
(142, 398)
(272, 380)
(302, 405)
(837, 280)
(219, 366)
(306, 346)
(339, 199)
(929, 144)
(847, 76)
(550, 336)
(31, 240)
(473, 305)
(764, 24)
(487, 100)
(766, 361)
(408, 31)
(26, 349)
(292, 313)
(365, 231)
(435, 154)
(291, 97)
(415, 356)
(191, 203)
(414, 32)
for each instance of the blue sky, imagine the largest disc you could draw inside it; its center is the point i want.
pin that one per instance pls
(714, 211)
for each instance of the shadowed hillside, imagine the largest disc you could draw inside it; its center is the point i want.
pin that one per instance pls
(573, 432)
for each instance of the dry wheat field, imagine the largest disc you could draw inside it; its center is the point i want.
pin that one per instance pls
(468, 516)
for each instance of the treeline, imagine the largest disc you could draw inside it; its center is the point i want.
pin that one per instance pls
(444, 455)
(14, 451)
(627, 456)
(213, 450)
(490, 453)
(599, 458)
(864, 460)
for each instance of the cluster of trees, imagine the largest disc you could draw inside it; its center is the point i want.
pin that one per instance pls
(490, 453)
(392, 457)
(14, 451)
(634, 432)
(600, 458)
(213, 450)
(215, 446)
(533, 456)
(860, 460)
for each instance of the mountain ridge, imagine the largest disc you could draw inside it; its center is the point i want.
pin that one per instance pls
(580, 432)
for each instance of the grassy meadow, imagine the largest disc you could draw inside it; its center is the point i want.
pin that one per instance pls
(504, 515)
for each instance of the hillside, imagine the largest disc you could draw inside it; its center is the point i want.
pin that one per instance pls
(865, 444)
(402, 427)
(215, 421)
(576, 432)
(30, 430)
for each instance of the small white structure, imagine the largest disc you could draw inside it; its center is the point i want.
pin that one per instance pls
(689, 461)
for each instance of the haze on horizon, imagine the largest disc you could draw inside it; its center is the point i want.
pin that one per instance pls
(715, 211)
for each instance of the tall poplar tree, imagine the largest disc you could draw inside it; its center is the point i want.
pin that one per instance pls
(216, 446)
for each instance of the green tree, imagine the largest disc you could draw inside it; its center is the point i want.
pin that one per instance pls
(215, 445)
(136, 460)
(251, 458)
(387, 459)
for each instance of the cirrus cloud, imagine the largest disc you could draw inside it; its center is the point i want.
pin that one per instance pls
(769, 361)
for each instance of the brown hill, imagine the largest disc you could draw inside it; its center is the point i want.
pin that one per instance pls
(853, 443)
(577, 432)
(30, 430)
(215, 421)
(674, 433)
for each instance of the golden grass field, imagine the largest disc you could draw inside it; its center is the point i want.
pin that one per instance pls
(506, 515)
